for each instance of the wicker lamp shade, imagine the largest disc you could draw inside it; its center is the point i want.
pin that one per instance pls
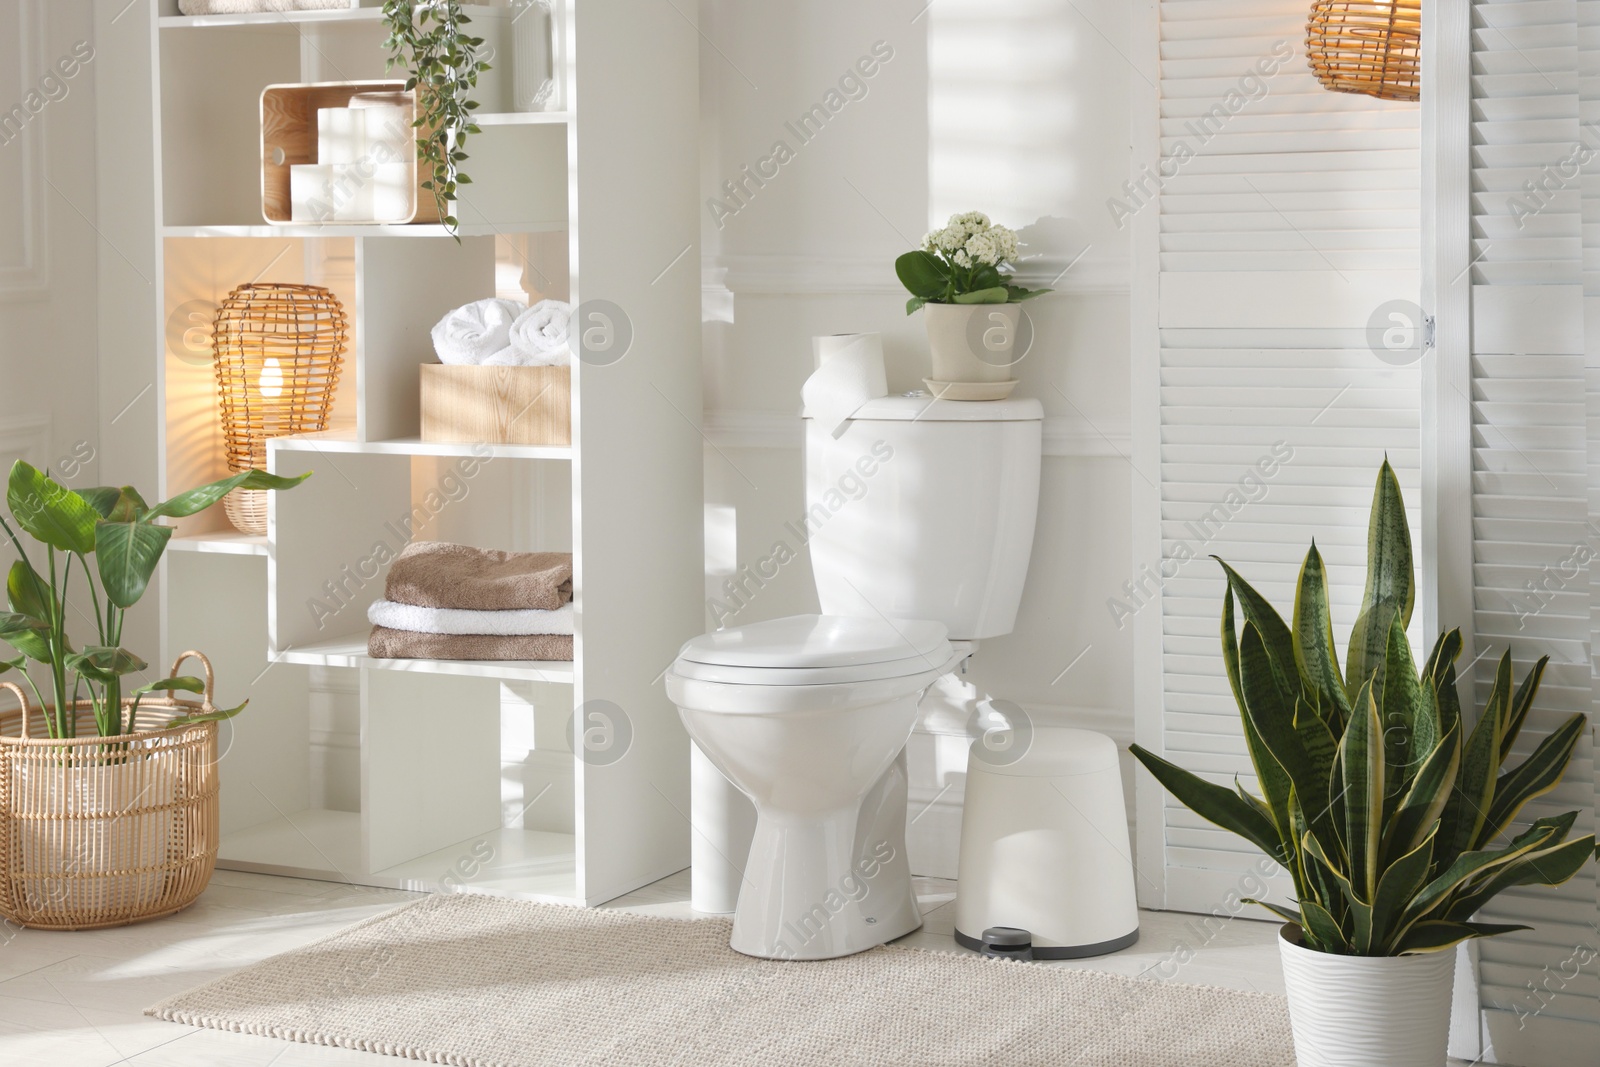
(1367, 46)
(278, 351)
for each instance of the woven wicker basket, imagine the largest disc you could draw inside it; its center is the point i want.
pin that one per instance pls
(1372, 47)
(105, 831)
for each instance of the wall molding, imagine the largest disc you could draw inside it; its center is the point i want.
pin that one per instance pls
(1063, 436)
(25, 437)
(790, 275)
(31, 280)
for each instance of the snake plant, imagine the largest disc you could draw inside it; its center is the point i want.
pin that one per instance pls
(122, 533)
(1391, 811)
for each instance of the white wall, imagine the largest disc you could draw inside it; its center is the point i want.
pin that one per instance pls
(48, 238)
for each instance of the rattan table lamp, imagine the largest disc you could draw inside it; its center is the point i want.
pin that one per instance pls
(1367, 46)
(278, 350)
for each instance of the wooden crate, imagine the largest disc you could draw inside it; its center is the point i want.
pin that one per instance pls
(289, 136)
(497, 405)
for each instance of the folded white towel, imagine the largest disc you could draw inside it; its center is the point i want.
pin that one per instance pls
(409, 617)
(250, 7)
(539, 336)
(470, 335)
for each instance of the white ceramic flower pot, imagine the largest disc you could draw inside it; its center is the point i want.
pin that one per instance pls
(972, 342)
(1367, 1011)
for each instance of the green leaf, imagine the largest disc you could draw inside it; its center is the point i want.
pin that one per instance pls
(118, 505)
(1273, 781)
(994, 295)
(23, 586)
(1361, 761)
(100, 663)
(49, 511)
(27, 635)
(127, 554)
(1476, 864)
(1436, 935)
(1395, 888)
(1018, 294)
(181, 684)
(1430, 790)
(1315, 653)
(1464, 816)
(1410, 718)
(1277, 909)
(1323, 928)
(207, 716)
(1520, 704)
(915, 304)
(1389, 585)
(198, 499)
(1545, 866)
(922, 273)
(1275, 634)
(1214, 803)
(1271, 713)
(1535, 776)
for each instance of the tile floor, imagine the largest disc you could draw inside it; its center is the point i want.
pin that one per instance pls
(74, 999)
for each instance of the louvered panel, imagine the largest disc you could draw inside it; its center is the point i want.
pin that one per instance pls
(1532, 463)
(1295, 214)
(1265, 169)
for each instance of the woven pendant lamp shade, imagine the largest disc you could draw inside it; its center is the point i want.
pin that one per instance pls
(278, 350)
(1367, 46)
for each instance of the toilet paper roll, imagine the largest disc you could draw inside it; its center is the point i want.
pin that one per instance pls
(849, 373)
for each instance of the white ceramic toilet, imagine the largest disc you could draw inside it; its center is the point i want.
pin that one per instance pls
(920, 520)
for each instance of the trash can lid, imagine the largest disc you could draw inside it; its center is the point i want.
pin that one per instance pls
(1030, 751)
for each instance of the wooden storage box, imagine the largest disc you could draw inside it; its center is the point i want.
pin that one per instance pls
(497, 405)
(289, 137)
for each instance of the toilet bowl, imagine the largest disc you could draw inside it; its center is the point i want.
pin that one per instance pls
(808, 716)
(919, 521)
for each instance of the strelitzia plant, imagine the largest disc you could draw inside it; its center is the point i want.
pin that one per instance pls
(1388, 808)
(123, 535)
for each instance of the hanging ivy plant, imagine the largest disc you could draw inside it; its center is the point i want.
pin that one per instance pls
(427, 38)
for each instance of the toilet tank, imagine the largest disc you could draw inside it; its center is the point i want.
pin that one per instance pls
(925, 509)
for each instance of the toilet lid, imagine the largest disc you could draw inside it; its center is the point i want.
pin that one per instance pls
(815, 649)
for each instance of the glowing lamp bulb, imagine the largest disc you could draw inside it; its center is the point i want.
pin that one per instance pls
(271, 383)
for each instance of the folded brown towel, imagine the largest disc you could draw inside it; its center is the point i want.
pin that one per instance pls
(436, 574)
(403, 644)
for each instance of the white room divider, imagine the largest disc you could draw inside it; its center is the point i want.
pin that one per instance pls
(1274, 221)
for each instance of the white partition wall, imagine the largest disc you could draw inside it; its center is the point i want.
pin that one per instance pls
(1273, 222)
(561, 780)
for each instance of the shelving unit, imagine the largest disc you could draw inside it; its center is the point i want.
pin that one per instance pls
(468, 778)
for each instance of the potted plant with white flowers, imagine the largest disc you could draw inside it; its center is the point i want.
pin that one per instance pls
(957, 279)
(1383, 801)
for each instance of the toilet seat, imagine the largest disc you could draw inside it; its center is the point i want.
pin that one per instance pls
(808, 650)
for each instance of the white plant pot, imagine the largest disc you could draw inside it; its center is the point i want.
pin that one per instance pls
(1367, 1011)
(972, 342)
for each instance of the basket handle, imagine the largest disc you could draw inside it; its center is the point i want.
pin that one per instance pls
(211, 677)
(22, 698)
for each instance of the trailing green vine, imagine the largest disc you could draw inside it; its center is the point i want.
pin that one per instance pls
(426, 37)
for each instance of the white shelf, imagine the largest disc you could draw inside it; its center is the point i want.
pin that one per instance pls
(326, 845)
(291, 18)
(227, 544)
(522, 118)
(375, 229)
(344, 443)
(350, 650)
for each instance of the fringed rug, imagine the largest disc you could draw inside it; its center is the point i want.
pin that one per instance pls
(486, 982)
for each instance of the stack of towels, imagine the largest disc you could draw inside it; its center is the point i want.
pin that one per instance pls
(503, 333)
(445, 601)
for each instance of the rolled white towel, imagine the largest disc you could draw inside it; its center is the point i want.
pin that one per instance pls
(539, 336)
(470, 335)
(409, 617)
